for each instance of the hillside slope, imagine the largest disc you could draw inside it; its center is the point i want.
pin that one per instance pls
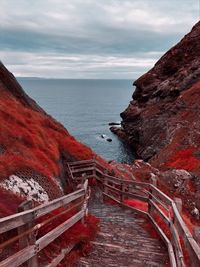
(34, 149)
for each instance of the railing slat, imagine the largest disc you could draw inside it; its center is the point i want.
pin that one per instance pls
(19, 258)
(53, 234)
(161, 213)
(19, 219)
(60, 257)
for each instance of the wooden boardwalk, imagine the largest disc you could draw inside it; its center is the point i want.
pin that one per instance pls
(122, 240)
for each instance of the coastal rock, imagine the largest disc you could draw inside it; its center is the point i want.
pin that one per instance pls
(162, 122)
(114, 123)
(149, 121)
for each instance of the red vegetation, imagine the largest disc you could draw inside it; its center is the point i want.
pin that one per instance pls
(9, 203)
(184, 159)
(151, 229)
(32, 140)
(79, 234)
(143, 206)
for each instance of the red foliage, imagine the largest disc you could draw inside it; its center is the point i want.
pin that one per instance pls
(184, 159)
(143, 206)
(150, 228)
(79, 234)
(162, 225)
(9, 203)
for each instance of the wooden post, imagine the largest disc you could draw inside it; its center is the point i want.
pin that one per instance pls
(122, 193)
(86, 198)
(196, 235)
(153, 180)
(29, 239)
(178, 203)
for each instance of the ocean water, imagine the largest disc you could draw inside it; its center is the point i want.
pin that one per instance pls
(85, 107)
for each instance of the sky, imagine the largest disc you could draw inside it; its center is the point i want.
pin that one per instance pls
(103, 39)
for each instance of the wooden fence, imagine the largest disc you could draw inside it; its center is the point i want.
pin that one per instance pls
(179, 239)
(26, 226)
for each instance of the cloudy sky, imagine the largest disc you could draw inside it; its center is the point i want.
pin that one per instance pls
(90, 38)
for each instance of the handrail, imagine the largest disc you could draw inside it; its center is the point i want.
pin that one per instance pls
(26, 224)
(158, 202)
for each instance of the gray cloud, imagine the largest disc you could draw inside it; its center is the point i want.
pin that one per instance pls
(112, 38)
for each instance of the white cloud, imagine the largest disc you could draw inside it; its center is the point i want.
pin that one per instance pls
(75, 37)
(52, 65)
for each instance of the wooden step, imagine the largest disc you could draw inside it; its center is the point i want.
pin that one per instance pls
(122, 240)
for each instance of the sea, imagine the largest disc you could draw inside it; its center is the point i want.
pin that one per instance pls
(86, 107)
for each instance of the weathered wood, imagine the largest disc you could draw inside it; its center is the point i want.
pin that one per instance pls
(191, 245)
(60, 257)
(53, 234)
(166, 240)
(160, 212)
(196, 231)
(123, 194)
(177, 246)
(29, 239)
(81, 162)
(155, 196)
(19, 258)
(157, 200)
(153, 180)
(82, 170)
(161, 195)
(178, 203)
(19, 219)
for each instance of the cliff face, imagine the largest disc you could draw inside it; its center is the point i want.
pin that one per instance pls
(162, 122)
(149, 121)
(34, 149)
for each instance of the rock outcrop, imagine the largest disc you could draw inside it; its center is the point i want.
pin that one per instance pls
(162, 122)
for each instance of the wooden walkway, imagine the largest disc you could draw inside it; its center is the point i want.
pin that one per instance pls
(122, 240)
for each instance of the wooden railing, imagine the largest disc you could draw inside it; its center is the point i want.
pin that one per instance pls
(25, 225)
(178, 240)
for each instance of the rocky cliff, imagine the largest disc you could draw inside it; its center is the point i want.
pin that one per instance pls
(162, 122)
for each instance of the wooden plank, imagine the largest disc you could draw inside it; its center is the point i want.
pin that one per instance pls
(61, 256)
(19, 258)
(76, 166)
(158, 193)
(19, 219)
(177, 246)
(160, 212)
(143, 198)
(85, 185)
(192, 246)
(81, 162)
(157, 200)
(56, 232)
(98, 164)
(57, 203)
(13, 221)
(133, 183)
(82, 170)
(99, 171)
(166, 241)
(29, 239)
